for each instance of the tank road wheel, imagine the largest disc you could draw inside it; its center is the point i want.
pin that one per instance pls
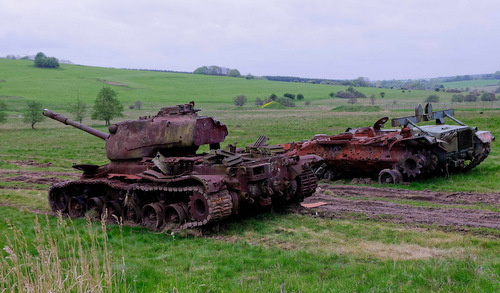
(95, 206)
(198, 206)
(113, 211)
(153, 216)
(132, 213)
(76, 207)
(175, 215)
(58, 201)
(388, 176)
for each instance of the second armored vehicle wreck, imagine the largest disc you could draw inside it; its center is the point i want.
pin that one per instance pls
(397, 154)
(156, 178)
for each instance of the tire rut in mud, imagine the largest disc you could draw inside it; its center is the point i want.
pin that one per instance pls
(455, 209)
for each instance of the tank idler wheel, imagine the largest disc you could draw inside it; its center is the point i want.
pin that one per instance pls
(132, 213)
(113, 211)
(153, 216)
(76, 207)
(388, 176)
(198, 206)
(175, 214)
(58, 201)
(95, 206)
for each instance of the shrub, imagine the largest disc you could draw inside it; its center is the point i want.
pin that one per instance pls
(488, 97)
(290, 96)
(470, 98)
(344, 95)
(432, 99)
(259, 102)
(240, 100)
(273, 105)
(300, 97)
(458, 98)
(285, 102)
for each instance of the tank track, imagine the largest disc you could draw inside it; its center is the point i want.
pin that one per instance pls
(219, 204)
(308, 182)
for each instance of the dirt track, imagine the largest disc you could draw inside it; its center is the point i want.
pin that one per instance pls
(458, 209)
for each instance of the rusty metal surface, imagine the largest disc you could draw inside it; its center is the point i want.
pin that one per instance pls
(156, 178)
(398, 154)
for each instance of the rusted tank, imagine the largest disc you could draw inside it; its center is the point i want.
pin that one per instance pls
(400, 154)
(156, 178)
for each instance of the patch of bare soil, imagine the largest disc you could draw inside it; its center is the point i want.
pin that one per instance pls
(455, 209)
(111, 82)
(35, 177)
(28, 163)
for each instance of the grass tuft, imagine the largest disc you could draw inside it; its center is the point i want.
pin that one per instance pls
(60, 260)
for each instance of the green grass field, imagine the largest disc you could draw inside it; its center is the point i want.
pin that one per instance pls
(267, 252)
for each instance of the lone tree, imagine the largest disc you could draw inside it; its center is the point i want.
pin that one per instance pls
(240, 100)
(3, 115)
(45, 62)
(79, 109)
(382, 94)
(138, 105)
(107, 106)
(234, 73)
(300, 97)
(33, 113)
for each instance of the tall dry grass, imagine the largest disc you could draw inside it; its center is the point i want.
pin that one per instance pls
(61, 259)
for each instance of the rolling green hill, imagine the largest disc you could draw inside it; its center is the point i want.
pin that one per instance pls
(55, 88)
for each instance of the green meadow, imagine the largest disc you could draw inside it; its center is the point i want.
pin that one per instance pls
(269, 252)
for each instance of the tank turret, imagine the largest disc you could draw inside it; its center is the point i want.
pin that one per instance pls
(174, 131)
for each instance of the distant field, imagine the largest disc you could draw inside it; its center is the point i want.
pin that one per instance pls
(270, 252)
(486, 85)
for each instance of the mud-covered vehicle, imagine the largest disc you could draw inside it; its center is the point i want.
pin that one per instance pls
(399, 154)
(155, 177)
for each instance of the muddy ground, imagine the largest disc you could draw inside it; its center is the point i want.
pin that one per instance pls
(457, 210)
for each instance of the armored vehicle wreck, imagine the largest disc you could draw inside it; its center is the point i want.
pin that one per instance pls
(156, 178)
(398, 154)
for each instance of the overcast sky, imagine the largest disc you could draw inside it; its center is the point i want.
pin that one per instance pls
(337, 39)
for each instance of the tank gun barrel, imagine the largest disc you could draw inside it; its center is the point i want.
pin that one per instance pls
(67, 121)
